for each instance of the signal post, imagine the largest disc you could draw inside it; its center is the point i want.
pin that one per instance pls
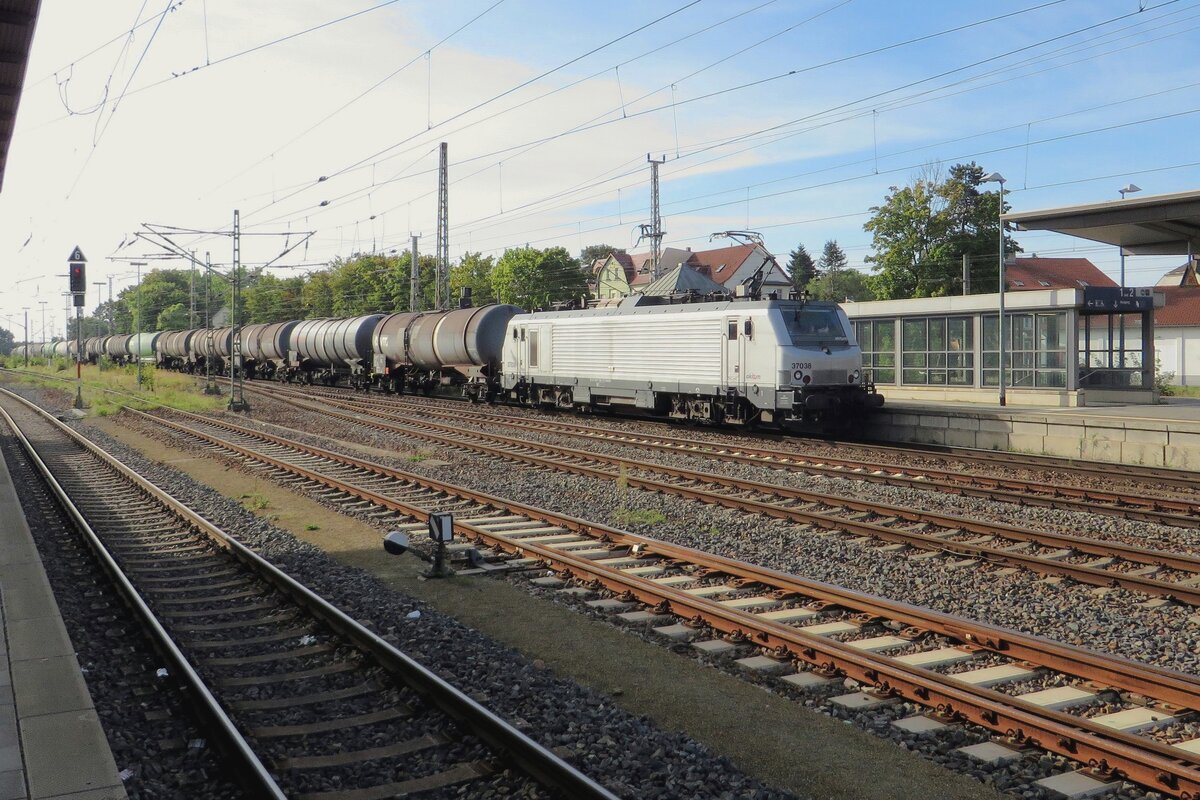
(78, 286)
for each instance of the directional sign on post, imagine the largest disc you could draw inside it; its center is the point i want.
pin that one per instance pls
(78, 280)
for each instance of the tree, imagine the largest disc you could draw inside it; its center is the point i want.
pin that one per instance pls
(841, 285)
(833, 258)
(801, 266)
(172, 318)
(921, 233)
(532, 278)
(6, 341)
(474, 271)
(594, 251)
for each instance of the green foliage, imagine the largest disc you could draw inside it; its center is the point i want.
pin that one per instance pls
(312, 526)
(474, 271)
(7, 341)
(1163, 379)
(841, 285)
(172, 318)
(626, 518)
(256, 501)
(833, 258)
(594, 251)
(922, 231)
(801, 267)
(60, 364)
(533, 278)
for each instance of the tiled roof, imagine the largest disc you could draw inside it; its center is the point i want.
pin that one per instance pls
(722, 263)
(1033, 273)
(1182, 308)
(1182, 275)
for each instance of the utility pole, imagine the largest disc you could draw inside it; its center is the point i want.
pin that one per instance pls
(237, 400)
(111, 312)
(99, 298)
(43, 305)
(26, 310)
(414, 278)
(654, 231)
(966, 274)
(192, 294)
(210, 386)
(442, 290)
(136, 341)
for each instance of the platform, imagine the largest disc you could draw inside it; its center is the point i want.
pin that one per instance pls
(51, 742)
(1165, 435)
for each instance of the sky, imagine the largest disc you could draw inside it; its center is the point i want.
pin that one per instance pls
(788, 117)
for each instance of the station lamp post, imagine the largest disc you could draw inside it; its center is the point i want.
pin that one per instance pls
(996, 177)
(1128, 188)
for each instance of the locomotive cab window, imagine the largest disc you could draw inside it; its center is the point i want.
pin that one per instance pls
(820, 326)
(533, 348)
(732, 329)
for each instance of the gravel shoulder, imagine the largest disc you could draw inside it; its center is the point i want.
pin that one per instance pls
(775, 740)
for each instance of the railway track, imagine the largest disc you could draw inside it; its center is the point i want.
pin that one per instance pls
(1097, 562)
(1120, 717)
(304, 701)
(1142, 506)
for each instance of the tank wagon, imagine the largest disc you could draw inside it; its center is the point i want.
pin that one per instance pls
(117, 347)
(60, 349)
(264, 348)
(327, 350)
(419, 351)
(93, 348)
(767, 362)
(172, 348)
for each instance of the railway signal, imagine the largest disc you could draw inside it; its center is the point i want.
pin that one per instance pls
(78, 286)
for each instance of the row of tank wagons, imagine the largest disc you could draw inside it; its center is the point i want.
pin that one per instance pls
(405, 352)
(121, 349)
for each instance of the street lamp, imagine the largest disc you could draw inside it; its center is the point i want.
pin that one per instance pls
(996, 177)
(1128, 188)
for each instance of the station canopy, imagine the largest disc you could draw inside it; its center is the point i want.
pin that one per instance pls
(17, 21)
(1156, 225)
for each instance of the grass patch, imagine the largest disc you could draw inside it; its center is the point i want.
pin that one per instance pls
(1185, 391)
(256, 501)
(105, 388)
(312, 526)
(626, 518)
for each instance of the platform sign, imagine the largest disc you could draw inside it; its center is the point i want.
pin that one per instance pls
(1118, 299)
(441, 526)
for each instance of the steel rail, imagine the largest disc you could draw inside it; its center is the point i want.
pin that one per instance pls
(1102, 470)
(249, 770)
(1093, 576)
(1146, 508)
(501, 736)
(1111, 752)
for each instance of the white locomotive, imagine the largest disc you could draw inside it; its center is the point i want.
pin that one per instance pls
(772, 362)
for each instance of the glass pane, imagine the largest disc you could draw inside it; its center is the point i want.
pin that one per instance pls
(863, 331)
(885, 336)
(991, 334)
(914, 376)
(914, 359)
(1022, 338)
(914, 334)
(937, 376)
(1052, 378)
(937, 334)
(937, 359)
(885, 359)
(885, 375)
(961, 377)
(991, 377)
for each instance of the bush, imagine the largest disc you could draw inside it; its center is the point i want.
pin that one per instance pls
(60, 364)
(1163, 379)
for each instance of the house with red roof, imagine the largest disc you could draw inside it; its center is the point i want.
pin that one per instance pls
(1177, 326)
(1032, 273)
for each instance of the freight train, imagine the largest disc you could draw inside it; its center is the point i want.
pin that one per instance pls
(742, 362)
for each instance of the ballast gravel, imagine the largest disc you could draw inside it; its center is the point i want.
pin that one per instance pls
(1113, 621)
(628, 754)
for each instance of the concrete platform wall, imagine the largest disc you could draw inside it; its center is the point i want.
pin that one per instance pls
(1146, 442)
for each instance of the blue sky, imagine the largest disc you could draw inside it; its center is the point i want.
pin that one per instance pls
(800, 157)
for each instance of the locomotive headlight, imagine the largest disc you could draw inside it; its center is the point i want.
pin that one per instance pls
(806, 380)
(854, 376)
(798, 374)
